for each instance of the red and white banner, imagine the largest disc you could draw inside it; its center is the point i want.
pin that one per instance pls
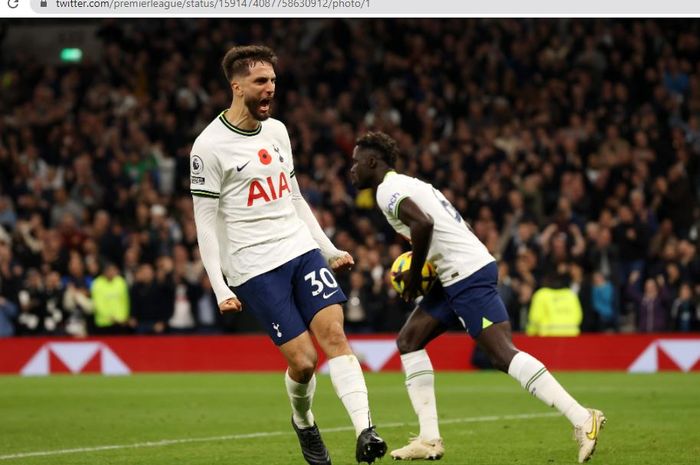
(453, 351)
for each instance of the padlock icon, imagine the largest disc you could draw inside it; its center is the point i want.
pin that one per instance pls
(43, 4)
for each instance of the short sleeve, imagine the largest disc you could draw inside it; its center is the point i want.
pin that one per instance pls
(389, 197)
(205, 171)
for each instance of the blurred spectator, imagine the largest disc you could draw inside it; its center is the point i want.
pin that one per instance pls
(631, 237)
(206, 309)
(79, 308)
(32, 306)
(55, 315)
(10, 274)
(357, 308)
(688, 261)
(107, 236)
(63, 205)
(555, 309)
(523, 237)
(8, 313)
(652, 304)
(602, 256)
(685, 315)
(640, 211)
(152, 300)
(603, 303)
(76, 273)
(72, 235)
(110, 297)
(28, 242)
(8, 217)
(182, 319)
(678, 202)
(664, 236)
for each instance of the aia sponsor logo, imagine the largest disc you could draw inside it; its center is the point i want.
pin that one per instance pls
(268, 189)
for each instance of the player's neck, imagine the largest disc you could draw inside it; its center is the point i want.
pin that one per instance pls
(239, 116)
(381, 175)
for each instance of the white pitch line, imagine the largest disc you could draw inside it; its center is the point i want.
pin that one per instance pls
(230, 437)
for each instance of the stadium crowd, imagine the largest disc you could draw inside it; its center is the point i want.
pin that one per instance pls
(572, 147)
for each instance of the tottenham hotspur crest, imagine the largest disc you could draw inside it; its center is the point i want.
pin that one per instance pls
(277, 150)
(276, 327)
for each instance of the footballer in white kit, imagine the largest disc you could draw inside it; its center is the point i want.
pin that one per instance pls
(461, 261)
(257, 234)
(455, 251)
(251, 173)
(466, 291)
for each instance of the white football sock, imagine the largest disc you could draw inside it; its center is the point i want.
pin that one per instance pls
(537, 380)
(349, 384)
(301, 396)
(420, 383)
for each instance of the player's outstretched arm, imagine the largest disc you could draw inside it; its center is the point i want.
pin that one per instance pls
(205, 211)
(421, 226)
(339, 260)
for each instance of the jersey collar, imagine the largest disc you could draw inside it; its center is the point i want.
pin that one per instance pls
(236, 129)
(389, 174)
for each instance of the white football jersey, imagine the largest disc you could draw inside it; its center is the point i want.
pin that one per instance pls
(250, 172)
(454, 250)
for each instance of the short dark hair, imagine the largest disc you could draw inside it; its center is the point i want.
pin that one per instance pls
(383, 144)
(238, 60)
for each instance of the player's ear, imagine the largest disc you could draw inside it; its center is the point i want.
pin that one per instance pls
(236, 88)
(372, 162)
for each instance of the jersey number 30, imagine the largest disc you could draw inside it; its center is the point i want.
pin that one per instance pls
(327, 280)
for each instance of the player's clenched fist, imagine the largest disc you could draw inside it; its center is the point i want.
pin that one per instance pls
(230, 305)
(342, 262)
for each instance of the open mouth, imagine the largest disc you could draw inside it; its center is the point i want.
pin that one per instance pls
(265, 105)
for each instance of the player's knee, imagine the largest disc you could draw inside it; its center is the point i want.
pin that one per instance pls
(333, 336)
(406, 343)
(303, 365)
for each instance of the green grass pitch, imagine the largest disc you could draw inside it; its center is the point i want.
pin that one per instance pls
(244, 419)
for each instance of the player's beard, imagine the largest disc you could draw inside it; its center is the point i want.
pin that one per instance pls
(253, 105)
(359, 182)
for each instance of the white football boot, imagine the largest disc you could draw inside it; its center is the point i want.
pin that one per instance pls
(420, 449)
(587, 434)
